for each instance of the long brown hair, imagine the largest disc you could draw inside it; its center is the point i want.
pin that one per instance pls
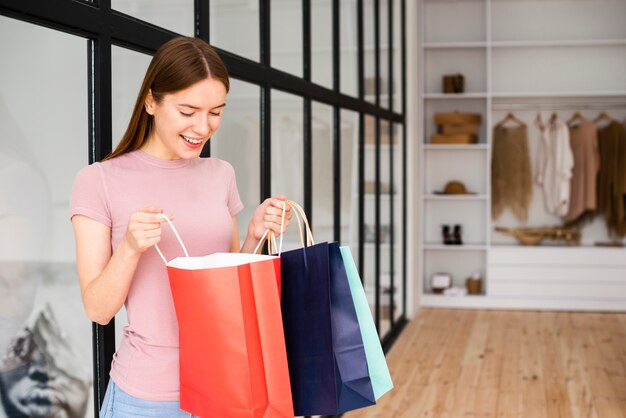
(177, 64)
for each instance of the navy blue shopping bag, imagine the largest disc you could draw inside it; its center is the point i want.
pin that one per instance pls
(327, 362)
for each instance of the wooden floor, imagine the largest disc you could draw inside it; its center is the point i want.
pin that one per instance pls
(468, 363)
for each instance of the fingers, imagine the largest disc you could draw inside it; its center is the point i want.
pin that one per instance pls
(274, 207)
(151, 215)
(144, 228)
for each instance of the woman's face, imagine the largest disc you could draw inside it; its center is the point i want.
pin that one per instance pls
(184, 121)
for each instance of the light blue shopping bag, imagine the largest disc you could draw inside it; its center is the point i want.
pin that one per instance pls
(378, 370)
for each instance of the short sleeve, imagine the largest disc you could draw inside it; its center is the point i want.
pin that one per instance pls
(89, 197)
(234, 201)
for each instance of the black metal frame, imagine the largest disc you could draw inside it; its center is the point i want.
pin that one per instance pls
(103, 27)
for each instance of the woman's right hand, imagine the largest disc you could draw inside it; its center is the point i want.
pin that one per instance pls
(144, 228)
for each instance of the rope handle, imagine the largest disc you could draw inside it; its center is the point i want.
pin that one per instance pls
(299, 212)
(271, 237)
(268, 234)
(177, 237)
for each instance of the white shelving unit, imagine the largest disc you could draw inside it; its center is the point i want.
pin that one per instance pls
(513, 51)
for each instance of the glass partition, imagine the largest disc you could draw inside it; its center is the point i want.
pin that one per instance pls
(238, 141)
(45, 336)
(175, 15)
(288, 153)
(286, 36)
(348, 41)
(127, 71)
(227, 17)
(322, 43)
(323, 210)
(368, 275)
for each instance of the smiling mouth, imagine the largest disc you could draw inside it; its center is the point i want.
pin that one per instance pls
(193, 141)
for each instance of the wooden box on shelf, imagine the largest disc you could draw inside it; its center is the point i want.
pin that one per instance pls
(456, 128)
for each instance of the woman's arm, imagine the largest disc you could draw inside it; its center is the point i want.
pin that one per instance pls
(104, 277)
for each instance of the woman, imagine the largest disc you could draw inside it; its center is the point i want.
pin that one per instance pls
(116, 207)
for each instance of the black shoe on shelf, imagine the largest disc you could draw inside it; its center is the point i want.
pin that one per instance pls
(456, 239)
(446, 235)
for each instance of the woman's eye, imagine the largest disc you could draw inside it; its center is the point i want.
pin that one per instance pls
(186, 114)
(215, 113)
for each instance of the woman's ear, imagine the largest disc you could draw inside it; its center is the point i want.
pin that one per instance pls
(149, 103)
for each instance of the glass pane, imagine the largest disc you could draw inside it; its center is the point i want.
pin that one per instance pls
(397, 57)
(322, 137)
(241, 130)
(369, 52)
(45, 336)
(175, 15)
(227, 19)
(384, 52)
(349, 181)
(369, 250)
(398, 226)
(385, 229)
(127, 71)
(286, 36)
(322, 43)
(288, 154)
(348, 42)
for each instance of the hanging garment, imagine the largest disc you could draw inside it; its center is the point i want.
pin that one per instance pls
(612, 177)
(511, 176)
(583, 139)
(555, 162)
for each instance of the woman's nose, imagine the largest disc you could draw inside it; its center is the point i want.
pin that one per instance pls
(202, 127)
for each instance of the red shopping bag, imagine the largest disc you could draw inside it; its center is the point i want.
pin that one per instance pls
(233, 360)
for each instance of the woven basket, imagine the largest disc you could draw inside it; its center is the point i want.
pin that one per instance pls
(457, 118)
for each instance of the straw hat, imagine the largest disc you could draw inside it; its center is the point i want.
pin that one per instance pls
(454, 187)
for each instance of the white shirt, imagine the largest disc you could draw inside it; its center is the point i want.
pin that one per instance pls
(555, 162)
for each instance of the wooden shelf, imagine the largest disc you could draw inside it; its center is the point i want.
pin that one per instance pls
(454, 45)
(448, 147)
(464, 247)
(455, 96)
(558, 43)
(445, 197)
(557, 94)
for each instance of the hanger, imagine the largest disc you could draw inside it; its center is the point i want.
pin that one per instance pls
(553, 118)
(510, 117)
(538, 122)
(603, 116)
(576, 117)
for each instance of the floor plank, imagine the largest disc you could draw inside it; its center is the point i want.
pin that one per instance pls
(506, 364)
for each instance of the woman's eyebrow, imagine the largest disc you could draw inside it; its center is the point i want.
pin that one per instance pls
(196, 108)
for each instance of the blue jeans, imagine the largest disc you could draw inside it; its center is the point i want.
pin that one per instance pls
(119, 404)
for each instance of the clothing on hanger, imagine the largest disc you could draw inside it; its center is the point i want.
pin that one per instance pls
(555, 162)
(612, 177)
(511, 174)
(510, 117)
(583, 137)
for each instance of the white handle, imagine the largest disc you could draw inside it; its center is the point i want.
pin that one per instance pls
(177, 237)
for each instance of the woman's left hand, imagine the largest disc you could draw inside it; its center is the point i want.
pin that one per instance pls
(268, 216)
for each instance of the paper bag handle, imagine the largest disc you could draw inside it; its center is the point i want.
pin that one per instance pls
(299, 211)
(271, 237)
(268, 233)
(177, 237)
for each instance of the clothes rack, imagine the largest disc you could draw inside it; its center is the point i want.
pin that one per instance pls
(574, 103)
(573, 106)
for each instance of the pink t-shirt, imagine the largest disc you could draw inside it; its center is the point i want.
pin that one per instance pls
(202, 194)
